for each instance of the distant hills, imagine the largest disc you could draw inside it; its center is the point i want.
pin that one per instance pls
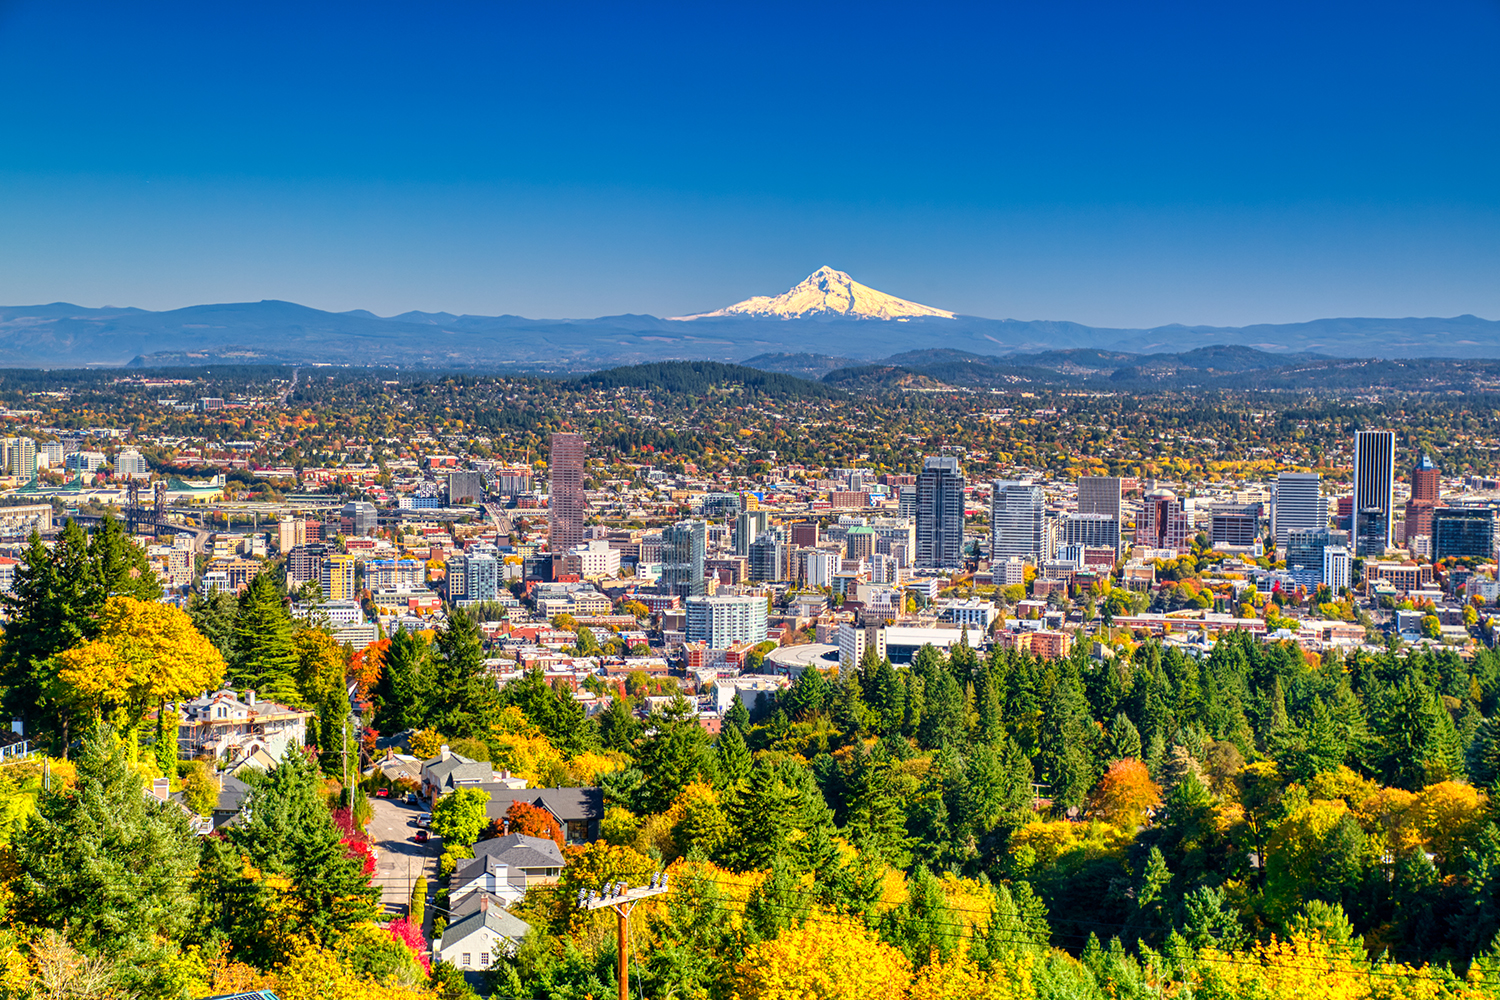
(825, 323)
(1217, 367)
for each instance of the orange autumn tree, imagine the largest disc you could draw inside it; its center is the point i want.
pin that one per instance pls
(367, 666)
(1124, 794)
(532, 821)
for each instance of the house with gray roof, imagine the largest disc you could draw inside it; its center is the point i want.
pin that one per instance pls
(472, 943)
(448, 771)
(506, 867)
(578, 810)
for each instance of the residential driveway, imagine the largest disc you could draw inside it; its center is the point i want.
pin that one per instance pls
(398, 859)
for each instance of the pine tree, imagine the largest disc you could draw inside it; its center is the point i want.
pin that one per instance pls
(885, 693)
(876, 821)
(738, 715)
(673, 753)
(120, 566)
(618, 728)
(398, 695)
(214, 616)
(943, 714)
(289, 831)
(106, 861)
(734, 757)
(1124, 739)
(1484, 754)
(807, 695)
(265, 657)
(462, 698)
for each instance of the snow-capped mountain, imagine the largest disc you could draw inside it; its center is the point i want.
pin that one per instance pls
(826, 292)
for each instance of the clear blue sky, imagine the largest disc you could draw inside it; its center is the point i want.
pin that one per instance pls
(1111, 163)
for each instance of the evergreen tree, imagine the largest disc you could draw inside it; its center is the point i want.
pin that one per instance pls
(943, 713)
(214, 617)
(287, 831)
(265, 658)
(734, 760)
(121, 568)
(1068, 736)
(673, 753)
(924, 927)
(398, 696)
(462, 698)
(806, 697)
(618, 728)
(850, 713)
(1124, 740)
(885, 693)
(876, 821)
(106, 861)
(738, 715)
(776, 813)
(1484, 754)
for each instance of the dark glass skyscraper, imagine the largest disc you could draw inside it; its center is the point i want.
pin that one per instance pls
(1374, 491)
(1463, 531)
(940, 514)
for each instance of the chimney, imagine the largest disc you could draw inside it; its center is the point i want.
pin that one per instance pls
(444, 752)
(250, 698)
(161, 788)
(484, 902)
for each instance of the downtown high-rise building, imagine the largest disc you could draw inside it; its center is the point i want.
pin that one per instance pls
(747, 528)
(1374, 491)
(566, 502)
(1424, 499)
(940, 514)
(1099, 495)
(684, 547)
(1016, 522)
(1299, 504)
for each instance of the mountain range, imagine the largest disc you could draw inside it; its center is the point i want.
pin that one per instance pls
(828, 314)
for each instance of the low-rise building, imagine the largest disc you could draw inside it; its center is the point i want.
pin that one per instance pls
(219, 726)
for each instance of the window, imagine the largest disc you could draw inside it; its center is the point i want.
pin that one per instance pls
(466, 959)
(484, 958)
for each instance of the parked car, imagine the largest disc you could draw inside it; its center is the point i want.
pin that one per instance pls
(424, 820)
(421, 836)
(411, 798)
(382, 793)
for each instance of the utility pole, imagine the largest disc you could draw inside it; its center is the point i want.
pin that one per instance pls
(622, 899)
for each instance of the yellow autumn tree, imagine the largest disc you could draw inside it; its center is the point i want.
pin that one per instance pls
(825, 959)
(146, 655)
(962, 979)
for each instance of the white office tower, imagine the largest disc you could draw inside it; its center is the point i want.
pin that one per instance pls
(1016, 521)
(906, 502)
(723, 622)
(1336, 567)
(1299, 504)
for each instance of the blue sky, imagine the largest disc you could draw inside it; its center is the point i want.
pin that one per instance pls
(1115, 164)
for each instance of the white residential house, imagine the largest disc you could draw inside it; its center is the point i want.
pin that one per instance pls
(220, 725)
(474, 941)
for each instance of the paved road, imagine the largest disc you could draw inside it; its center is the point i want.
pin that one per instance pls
(398, 859)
